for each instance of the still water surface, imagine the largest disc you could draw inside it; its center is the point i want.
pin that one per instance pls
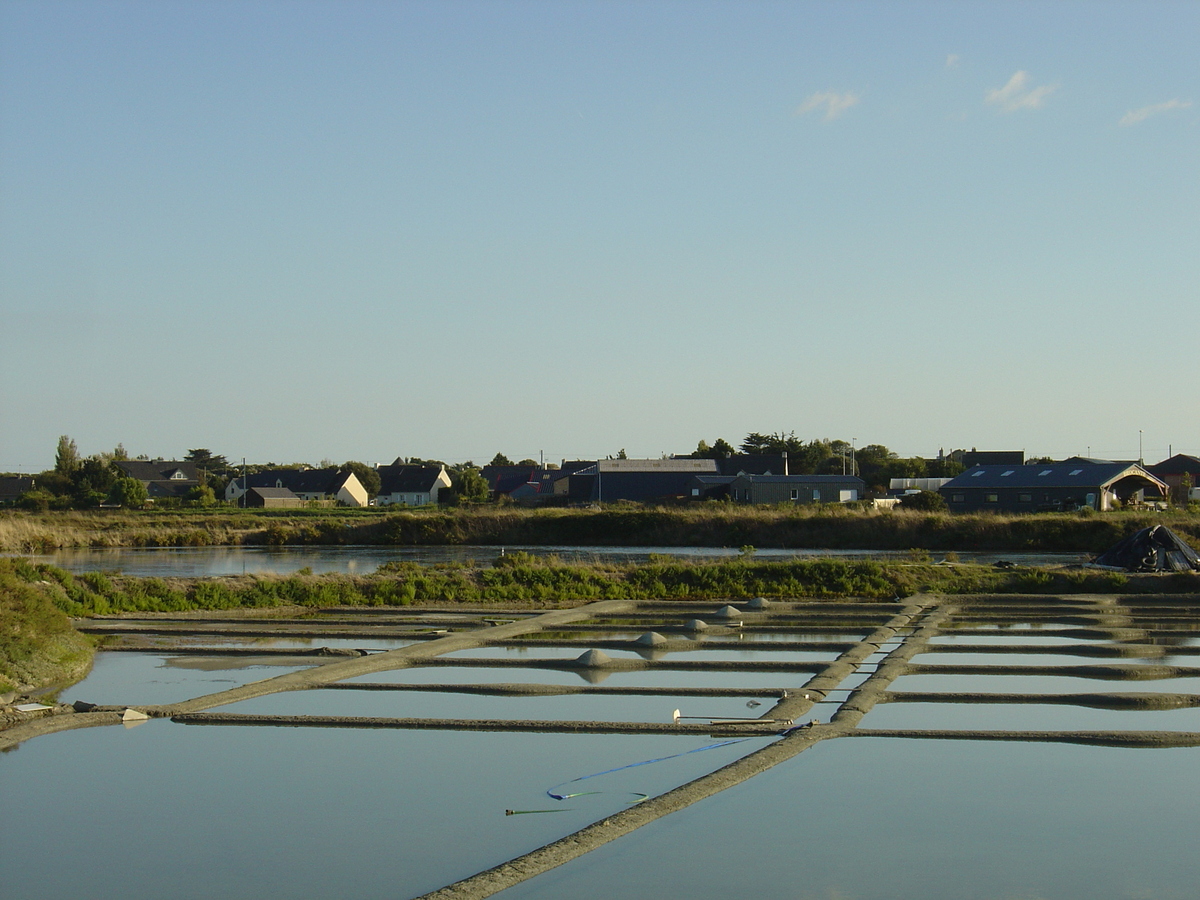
(211, 812)
(875, 819)
(362, 560)
(165, 810)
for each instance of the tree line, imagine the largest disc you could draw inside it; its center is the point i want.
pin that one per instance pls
(875, 464)
(82, 482)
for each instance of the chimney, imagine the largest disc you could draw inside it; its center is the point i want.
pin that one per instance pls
(785, 464)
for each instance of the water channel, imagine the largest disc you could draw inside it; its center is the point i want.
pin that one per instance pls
(198, 562)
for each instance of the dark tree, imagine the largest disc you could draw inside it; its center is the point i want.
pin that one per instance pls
(208, 462)
(467, 485)
(925, 501)
(66, 458)
(128, 492)
(92, 481)
(367, 476)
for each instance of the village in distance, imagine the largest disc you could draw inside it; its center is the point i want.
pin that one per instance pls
(776, 469)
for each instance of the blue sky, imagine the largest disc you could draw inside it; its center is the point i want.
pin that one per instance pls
(352, 230)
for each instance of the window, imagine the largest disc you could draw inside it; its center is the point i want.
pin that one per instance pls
(795, 493)
(1076, 471)
(958, 498)
(977, 474)
(1006, 474)
(991, 498)
(1044, 472)
(1025, 498)
(817, 495)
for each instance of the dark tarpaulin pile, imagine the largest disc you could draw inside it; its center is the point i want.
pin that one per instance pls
(1154, 549)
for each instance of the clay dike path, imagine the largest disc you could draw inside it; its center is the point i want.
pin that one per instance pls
(1116, 640)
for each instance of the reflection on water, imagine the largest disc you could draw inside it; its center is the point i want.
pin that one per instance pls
(175, 811)
(939, 820)
(363, 560)
(143, 679)
(311, 812)
(445, 705)
(1027, 717)
(1038, 684)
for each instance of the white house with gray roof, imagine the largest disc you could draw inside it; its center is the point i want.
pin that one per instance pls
(405, 485)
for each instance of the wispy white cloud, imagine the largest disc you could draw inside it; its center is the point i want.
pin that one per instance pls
(1141, 115)
(833, 103)
(1014, 96)
(953, 60)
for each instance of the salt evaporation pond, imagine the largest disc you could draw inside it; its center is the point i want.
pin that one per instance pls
(447, 705)
(880, 819)
(166, 810)
(145, 679)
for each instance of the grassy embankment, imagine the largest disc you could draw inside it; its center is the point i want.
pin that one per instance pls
(520, 579)
(38, 645)
(704, 525)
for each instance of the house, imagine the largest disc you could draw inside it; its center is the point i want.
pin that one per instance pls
(13, 486)
(530, 484)
(1066, 485)
(754, 464)
(272, 498)
(641, 480)
(796, 488)
(719, 487)
(710, 487)
(405, 485)
(161, 477)
(1174, 470)
(329, 485)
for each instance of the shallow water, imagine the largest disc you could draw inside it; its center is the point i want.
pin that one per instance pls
(145, 679)
(165, 810)
(1027, 717)
(993, 638)
(1039, 684)
(362, 560)
(706, 654)
(1000, 660)
(227, 812)
(485, 675)
(939, 820)
(447, 705)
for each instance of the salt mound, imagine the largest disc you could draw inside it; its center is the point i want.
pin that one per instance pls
(594, 659)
